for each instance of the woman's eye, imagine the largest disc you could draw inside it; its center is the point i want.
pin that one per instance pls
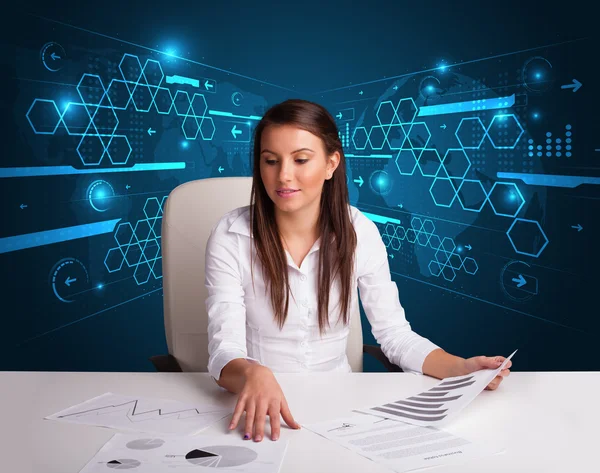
(301, 161)
(270, 162)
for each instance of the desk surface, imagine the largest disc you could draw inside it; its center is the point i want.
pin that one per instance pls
(545, 421)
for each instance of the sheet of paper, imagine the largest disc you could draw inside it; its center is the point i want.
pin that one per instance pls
(400, 446)
(142, 414)
(151, 454)
(441, 402)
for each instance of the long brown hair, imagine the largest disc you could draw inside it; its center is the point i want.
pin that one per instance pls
(338, 238)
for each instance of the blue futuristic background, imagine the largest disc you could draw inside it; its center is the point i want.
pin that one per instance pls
(471, 139)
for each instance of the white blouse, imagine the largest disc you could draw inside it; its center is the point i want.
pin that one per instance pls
(241, 322)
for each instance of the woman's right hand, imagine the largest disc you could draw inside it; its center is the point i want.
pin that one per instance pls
(261, 395)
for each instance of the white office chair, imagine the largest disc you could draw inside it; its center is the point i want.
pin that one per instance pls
(191, 211)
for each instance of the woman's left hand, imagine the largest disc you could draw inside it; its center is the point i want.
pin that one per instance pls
(477, 363)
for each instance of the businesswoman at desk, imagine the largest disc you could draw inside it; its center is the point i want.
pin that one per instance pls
(282, 275)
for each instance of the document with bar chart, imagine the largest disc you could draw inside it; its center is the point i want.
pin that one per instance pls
(439, 403)
(138, 414)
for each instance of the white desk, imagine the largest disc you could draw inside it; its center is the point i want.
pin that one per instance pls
(528, 415)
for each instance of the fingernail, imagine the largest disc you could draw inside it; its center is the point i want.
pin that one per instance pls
(275, 437)
(258, 438)
(246, 436)
(231, 426)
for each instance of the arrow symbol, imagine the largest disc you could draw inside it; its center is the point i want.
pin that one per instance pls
(127, 187)
(391, 256)
(468, 247)
(221, 169)
(359, 181)
(578, 227)
(339, 115)
(68, 281)
(395, 87)
(443, 126)
(576, 85)
(520, 280)
(235, 131)
(151, 131)
(360, 93)
(23, 206)
(54, 56)
(207, 85)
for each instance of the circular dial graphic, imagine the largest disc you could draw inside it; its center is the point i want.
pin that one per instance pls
(68, 278)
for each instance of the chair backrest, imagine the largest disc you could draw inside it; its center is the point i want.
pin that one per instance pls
(190, 213)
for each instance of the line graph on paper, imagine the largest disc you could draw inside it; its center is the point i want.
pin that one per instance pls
(140, 414)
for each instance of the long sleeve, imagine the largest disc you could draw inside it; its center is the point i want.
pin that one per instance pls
(380, 299)
(225, 302)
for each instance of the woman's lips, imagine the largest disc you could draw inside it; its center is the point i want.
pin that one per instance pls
(285, 195)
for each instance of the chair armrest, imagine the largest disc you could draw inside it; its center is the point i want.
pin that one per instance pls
(166, 363)
(376, 353)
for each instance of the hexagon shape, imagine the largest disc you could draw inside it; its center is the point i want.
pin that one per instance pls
(377, 137)
(429, 162)
(207, 128)
(360, 137)
(456, 163)
(142, 230)
(91, 89)
(448, 244)
(411, 235)
(505, 131)
(406, 110)
(119, 94)
(151, 251)
(163, 101)
(396, 136)
(406, 162)
(455, 261)
(118, 149)
(390, 229)
(416, 223)
(470, 133)
(163, 202)
(442, 191)
(124, 234)
(448, 273)
(142, 98)
(104, 119)
(133, 254)
(428, 226)
(422, 238)
(442, 256)
(152, 208)
(526, 236)
(386, 240)
(386, 113)
(198, 105)
(190, 127)
(91, 149)
(114, 260)
(153, 73)
(471, 195)
(157, 268)
(419, 135)
(142, 272)
(182, 103)
(395, 242)
(434, 268)
(470, 265)
(434, 242)
(131, 68)
(506, 199)
(157, 228)
(400, 232)
(43, 116)
(76, 119)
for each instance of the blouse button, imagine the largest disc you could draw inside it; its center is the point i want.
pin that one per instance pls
(303, 278)
(304, 344)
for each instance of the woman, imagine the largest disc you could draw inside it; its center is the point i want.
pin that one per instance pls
(301, 237)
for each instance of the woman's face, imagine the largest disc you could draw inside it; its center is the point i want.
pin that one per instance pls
(294, 159)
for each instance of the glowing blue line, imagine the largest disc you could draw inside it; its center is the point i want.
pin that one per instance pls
(389, 156)
(88, 316)
(229, 114)
(381, 218)
(121, 40)
(182, 80)
(487, 302)
(64, 170)
(447, 66)
(549, 180)
(47, 237)
(468, 106)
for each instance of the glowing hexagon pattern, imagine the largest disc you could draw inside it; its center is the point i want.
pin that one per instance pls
(95, 119)
(138, 245)
(447, 260)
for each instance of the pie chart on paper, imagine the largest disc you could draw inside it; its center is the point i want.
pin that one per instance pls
(221, 456)
(123, 464)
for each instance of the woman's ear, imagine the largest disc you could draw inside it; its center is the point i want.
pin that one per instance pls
(333, 163)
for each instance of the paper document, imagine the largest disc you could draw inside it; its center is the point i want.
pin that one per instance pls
(400, 446)
(441, 402)
(144, 454)
(142, 414)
